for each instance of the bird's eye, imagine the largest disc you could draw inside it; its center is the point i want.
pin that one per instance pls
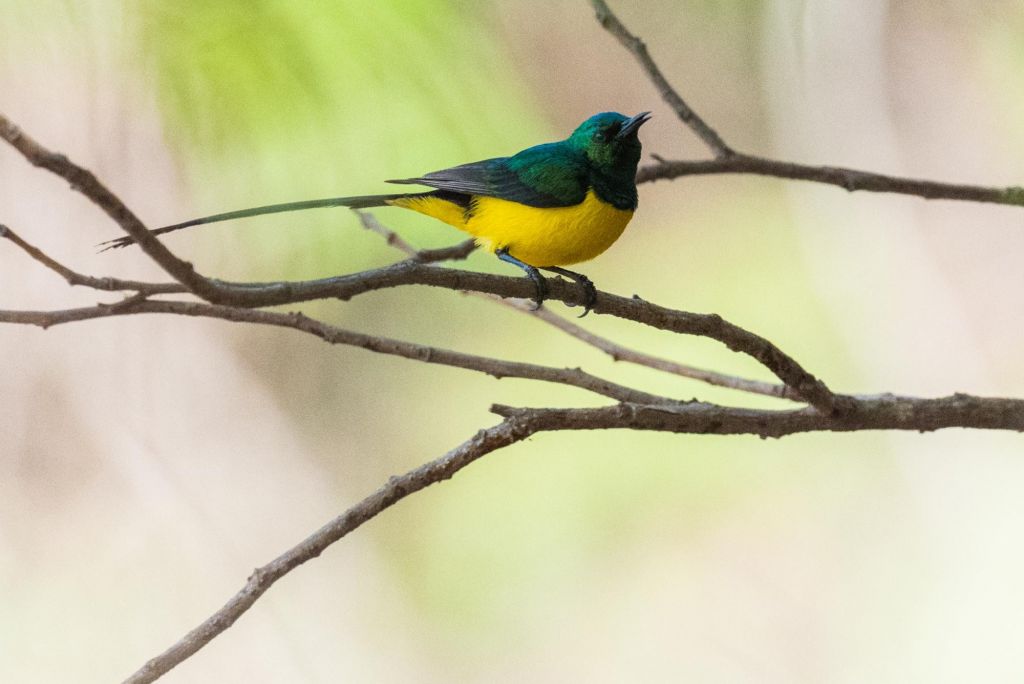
(605, 135)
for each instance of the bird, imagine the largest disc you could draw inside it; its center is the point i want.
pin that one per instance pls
(549, 206)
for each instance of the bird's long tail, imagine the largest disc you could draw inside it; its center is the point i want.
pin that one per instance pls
(358, 202)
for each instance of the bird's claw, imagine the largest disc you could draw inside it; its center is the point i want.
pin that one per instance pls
(539, 283)
(589, 295)
(542, 289)
(589, 291)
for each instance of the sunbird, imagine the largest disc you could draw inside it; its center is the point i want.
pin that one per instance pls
(549, 206)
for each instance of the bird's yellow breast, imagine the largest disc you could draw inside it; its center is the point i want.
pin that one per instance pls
(555, 236)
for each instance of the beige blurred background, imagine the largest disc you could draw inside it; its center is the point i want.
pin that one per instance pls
(148, 464)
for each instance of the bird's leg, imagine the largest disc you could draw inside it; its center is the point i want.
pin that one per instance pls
(535, 276)
(589, 291)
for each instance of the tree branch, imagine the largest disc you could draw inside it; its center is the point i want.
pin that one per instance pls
(84, 182)
(884, 412)
(803, 383)
(497, 368)
(616, 351)
(636, 46)
(423, 256)
(105, 284)
(878, 413)
(507, 432)
(728, 160)
(620, 352)
(848, 179)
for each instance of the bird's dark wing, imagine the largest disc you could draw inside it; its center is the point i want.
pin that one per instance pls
(541, 176)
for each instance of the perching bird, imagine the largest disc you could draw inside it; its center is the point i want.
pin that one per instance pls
(546, 207)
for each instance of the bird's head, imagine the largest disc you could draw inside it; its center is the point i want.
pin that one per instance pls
(610, 140)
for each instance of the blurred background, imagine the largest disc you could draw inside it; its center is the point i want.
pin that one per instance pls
(148, 464)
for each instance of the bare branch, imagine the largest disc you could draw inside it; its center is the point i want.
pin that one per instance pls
(505, 433)
(636, 46)
(424, 256)
(454, 252)
(393, 239)
(620, 352)
(635, 309)
(616, 351)
(727, 160)
(813, 390)
(84, 182)
(497, 368)
(872, 413)
(884, 412)
(106, 284)
(848, 179)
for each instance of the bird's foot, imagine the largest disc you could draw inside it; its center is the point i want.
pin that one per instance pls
(589, 291)
(539, 282)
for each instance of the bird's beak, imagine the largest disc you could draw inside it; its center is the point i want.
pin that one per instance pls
(634, 123)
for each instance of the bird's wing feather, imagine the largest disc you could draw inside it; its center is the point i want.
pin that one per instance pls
(474, 178)
(537, 177)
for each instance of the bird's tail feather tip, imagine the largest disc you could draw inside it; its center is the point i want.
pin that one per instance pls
(117, 243)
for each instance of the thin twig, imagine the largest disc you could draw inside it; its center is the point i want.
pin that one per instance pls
(83, 181)
(393, 239)
(424, 256)
(669, 94)
(105, 284)
(728, 160)
(803, 383)
(455, 252)
(620, 352)
(848, 179)
(505, 433)
(497, 368)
